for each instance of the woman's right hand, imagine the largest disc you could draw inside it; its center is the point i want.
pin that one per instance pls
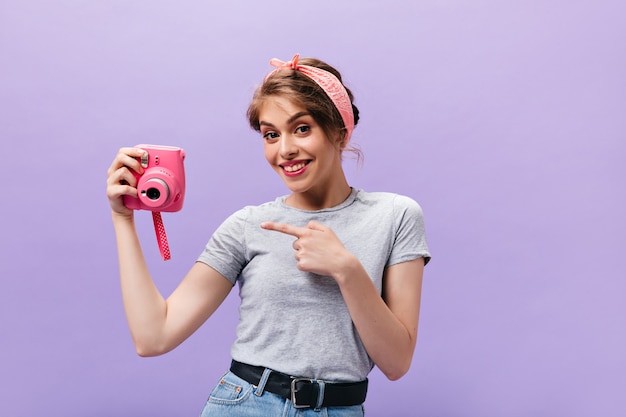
(121, 181)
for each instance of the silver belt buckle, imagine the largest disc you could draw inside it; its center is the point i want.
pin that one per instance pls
(294, 390)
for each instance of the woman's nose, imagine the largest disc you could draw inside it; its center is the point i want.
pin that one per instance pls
(288, 147)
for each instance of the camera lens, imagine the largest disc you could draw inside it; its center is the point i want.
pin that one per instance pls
(153, 193)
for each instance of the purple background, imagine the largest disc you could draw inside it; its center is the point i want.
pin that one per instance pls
(504, 119)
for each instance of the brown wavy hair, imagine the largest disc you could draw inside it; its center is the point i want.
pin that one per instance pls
(305, 93)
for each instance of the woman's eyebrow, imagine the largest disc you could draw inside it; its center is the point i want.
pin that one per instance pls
(289, 121)
(297, 116)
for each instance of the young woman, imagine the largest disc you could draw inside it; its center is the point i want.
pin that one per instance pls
(329, 276)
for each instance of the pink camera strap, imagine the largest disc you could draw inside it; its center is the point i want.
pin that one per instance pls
(164, 247)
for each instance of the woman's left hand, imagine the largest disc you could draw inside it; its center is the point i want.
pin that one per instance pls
(317, 247)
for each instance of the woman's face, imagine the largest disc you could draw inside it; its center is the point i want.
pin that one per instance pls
(297, 148)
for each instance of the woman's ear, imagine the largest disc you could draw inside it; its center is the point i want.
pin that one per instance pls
(341, 140)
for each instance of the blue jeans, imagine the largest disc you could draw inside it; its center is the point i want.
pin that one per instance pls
(234, 397)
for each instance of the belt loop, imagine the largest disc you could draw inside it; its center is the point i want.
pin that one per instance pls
(320, 395)
(259, 390)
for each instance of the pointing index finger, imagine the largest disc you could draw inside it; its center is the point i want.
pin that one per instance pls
(283, 228)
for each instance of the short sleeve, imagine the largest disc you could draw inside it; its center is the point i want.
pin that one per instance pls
(410, 236)
(225, 252)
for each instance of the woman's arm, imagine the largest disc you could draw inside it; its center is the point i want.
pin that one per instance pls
(388, 325)
(156, 325)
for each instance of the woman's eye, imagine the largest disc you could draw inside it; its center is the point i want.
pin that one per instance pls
(303, 129)
(270, 135)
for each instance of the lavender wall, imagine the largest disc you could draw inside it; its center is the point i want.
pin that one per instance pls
(505, 120)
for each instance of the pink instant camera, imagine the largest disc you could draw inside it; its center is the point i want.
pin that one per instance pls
(161, 188)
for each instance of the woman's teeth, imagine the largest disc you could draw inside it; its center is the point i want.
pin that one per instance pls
(293, 168)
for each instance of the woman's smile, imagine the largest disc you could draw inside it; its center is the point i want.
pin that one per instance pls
(294, 168)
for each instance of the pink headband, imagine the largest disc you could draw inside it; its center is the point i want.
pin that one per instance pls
(329, 83)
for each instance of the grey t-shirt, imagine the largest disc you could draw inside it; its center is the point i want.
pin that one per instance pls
(297, 322)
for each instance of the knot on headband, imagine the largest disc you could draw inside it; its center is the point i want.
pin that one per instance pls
(293, 64)
(331, 85)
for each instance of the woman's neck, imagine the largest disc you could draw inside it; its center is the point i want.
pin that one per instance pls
(320, 199)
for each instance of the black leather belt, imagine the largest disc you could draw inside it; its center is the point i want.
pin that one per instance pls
(304, 392)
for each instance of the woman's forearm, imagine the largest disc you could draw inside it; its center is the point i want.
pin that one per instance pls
(144, 305)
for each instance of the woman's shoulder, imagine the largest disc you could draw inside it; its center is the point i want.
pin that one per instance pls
(388, 198)
(252, 210)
